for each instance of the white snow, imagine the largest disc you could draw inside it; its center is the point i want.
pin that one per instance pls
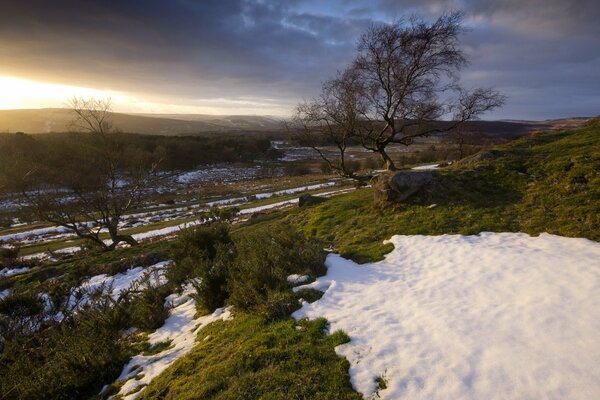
(14, 271)
(430, 166)
(279, 204)
(295, 278)
(295, 190)
(123, 281)
(33, 232)
(181, 328)
(492, 316)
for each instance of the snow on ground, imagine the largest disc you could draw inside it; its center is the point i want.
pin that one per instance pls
(431, 166)
(123, 281)
(181, 328)
(295, 190)
(33, 232)
(279, 204)
(492, 316)
(169, 230)
(14, 271)
(296, 279)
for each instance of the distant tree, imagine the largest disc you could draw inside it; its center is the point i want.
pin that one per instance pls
(403, 81)
(88, 187)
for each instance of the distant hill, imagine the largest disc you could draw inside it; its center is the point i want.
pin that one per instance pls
(47, 120)
(59, 120)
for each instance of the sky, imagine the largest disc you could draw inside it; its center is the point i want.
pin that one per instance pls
(263, 57)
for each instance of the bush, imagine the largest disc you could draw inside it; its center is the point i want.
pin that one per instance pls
(203, 254)
(147, 309)
(264, 260)
(297, 169)
(9, 257)
(67, 360)
(211, 287)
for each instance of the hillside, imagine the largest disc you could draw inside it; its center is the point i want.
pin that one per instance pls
(441, 283)
(545, 183)
(59, 120)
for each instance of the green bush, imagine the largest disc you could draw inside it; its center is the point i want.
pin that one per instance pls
(211, 285)
(67, 360)
(265, 258)
(9, 257)
(203, 254)
(147, 309)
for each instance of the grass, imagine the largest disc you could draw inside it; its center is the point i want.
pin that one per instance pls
(547, 183)
(246, 358)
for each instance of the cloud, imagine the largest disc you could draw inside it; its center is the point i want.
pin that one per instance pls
(275, 53)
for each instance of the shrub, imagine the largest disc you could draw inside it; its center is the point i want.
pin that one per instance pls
(9, 257)
(67, 360)
(203, 254)
(211, 287)
(297, 169)
(147, 308)
(265, 259)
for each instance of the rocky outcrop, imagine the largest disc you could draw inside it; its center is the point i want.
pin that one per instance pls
(399, 186)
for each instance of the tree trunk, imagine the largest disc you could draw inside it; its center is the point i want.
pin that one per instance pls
(387, 161)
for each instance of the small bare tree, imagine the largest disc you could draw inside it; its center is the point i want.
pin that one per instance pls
(404, 81)
(103, 179)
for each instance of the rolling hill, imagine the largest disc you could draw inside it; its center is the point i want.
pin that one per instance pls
(48, 120)
(59, 120)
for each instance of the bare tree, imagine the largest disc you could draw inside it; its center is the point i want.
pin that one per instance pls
(334, 118)
(102, 179)
(405, 80)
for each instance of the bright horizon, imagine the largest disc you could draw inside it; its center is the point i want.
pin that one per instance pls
(18, 93)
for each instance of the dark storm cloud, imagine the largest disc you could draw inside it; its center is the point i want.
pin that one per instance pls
(544, 54)
(186, 48)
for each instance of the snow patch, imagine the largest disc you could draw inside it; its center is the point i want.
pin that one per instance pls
(296, 279)
(492, 316)
(14, 271)
(181, 328)
(426, 167)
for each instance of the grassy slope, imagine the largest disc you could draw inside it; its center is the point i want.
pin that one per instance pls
(548, 183)
(246, 358)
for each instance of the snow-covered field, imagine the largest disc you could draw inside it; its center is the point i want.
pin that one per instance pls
(492, 316)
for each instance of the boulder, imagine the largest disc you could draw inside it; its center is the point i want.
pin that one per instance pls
(309, 200)
(399, 186)
(475, 158)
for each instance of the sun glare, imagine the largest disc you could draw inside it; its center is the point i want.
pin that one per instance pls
(22, 93)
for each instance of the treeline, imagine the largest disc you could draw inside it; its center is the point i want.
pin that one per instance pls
(175, 152)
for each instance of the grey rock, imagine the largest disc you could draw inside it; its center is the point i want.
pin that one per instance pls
(399, 186)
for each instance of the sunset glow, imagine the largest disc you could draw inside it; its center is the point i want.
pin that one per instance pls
(23, 93)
